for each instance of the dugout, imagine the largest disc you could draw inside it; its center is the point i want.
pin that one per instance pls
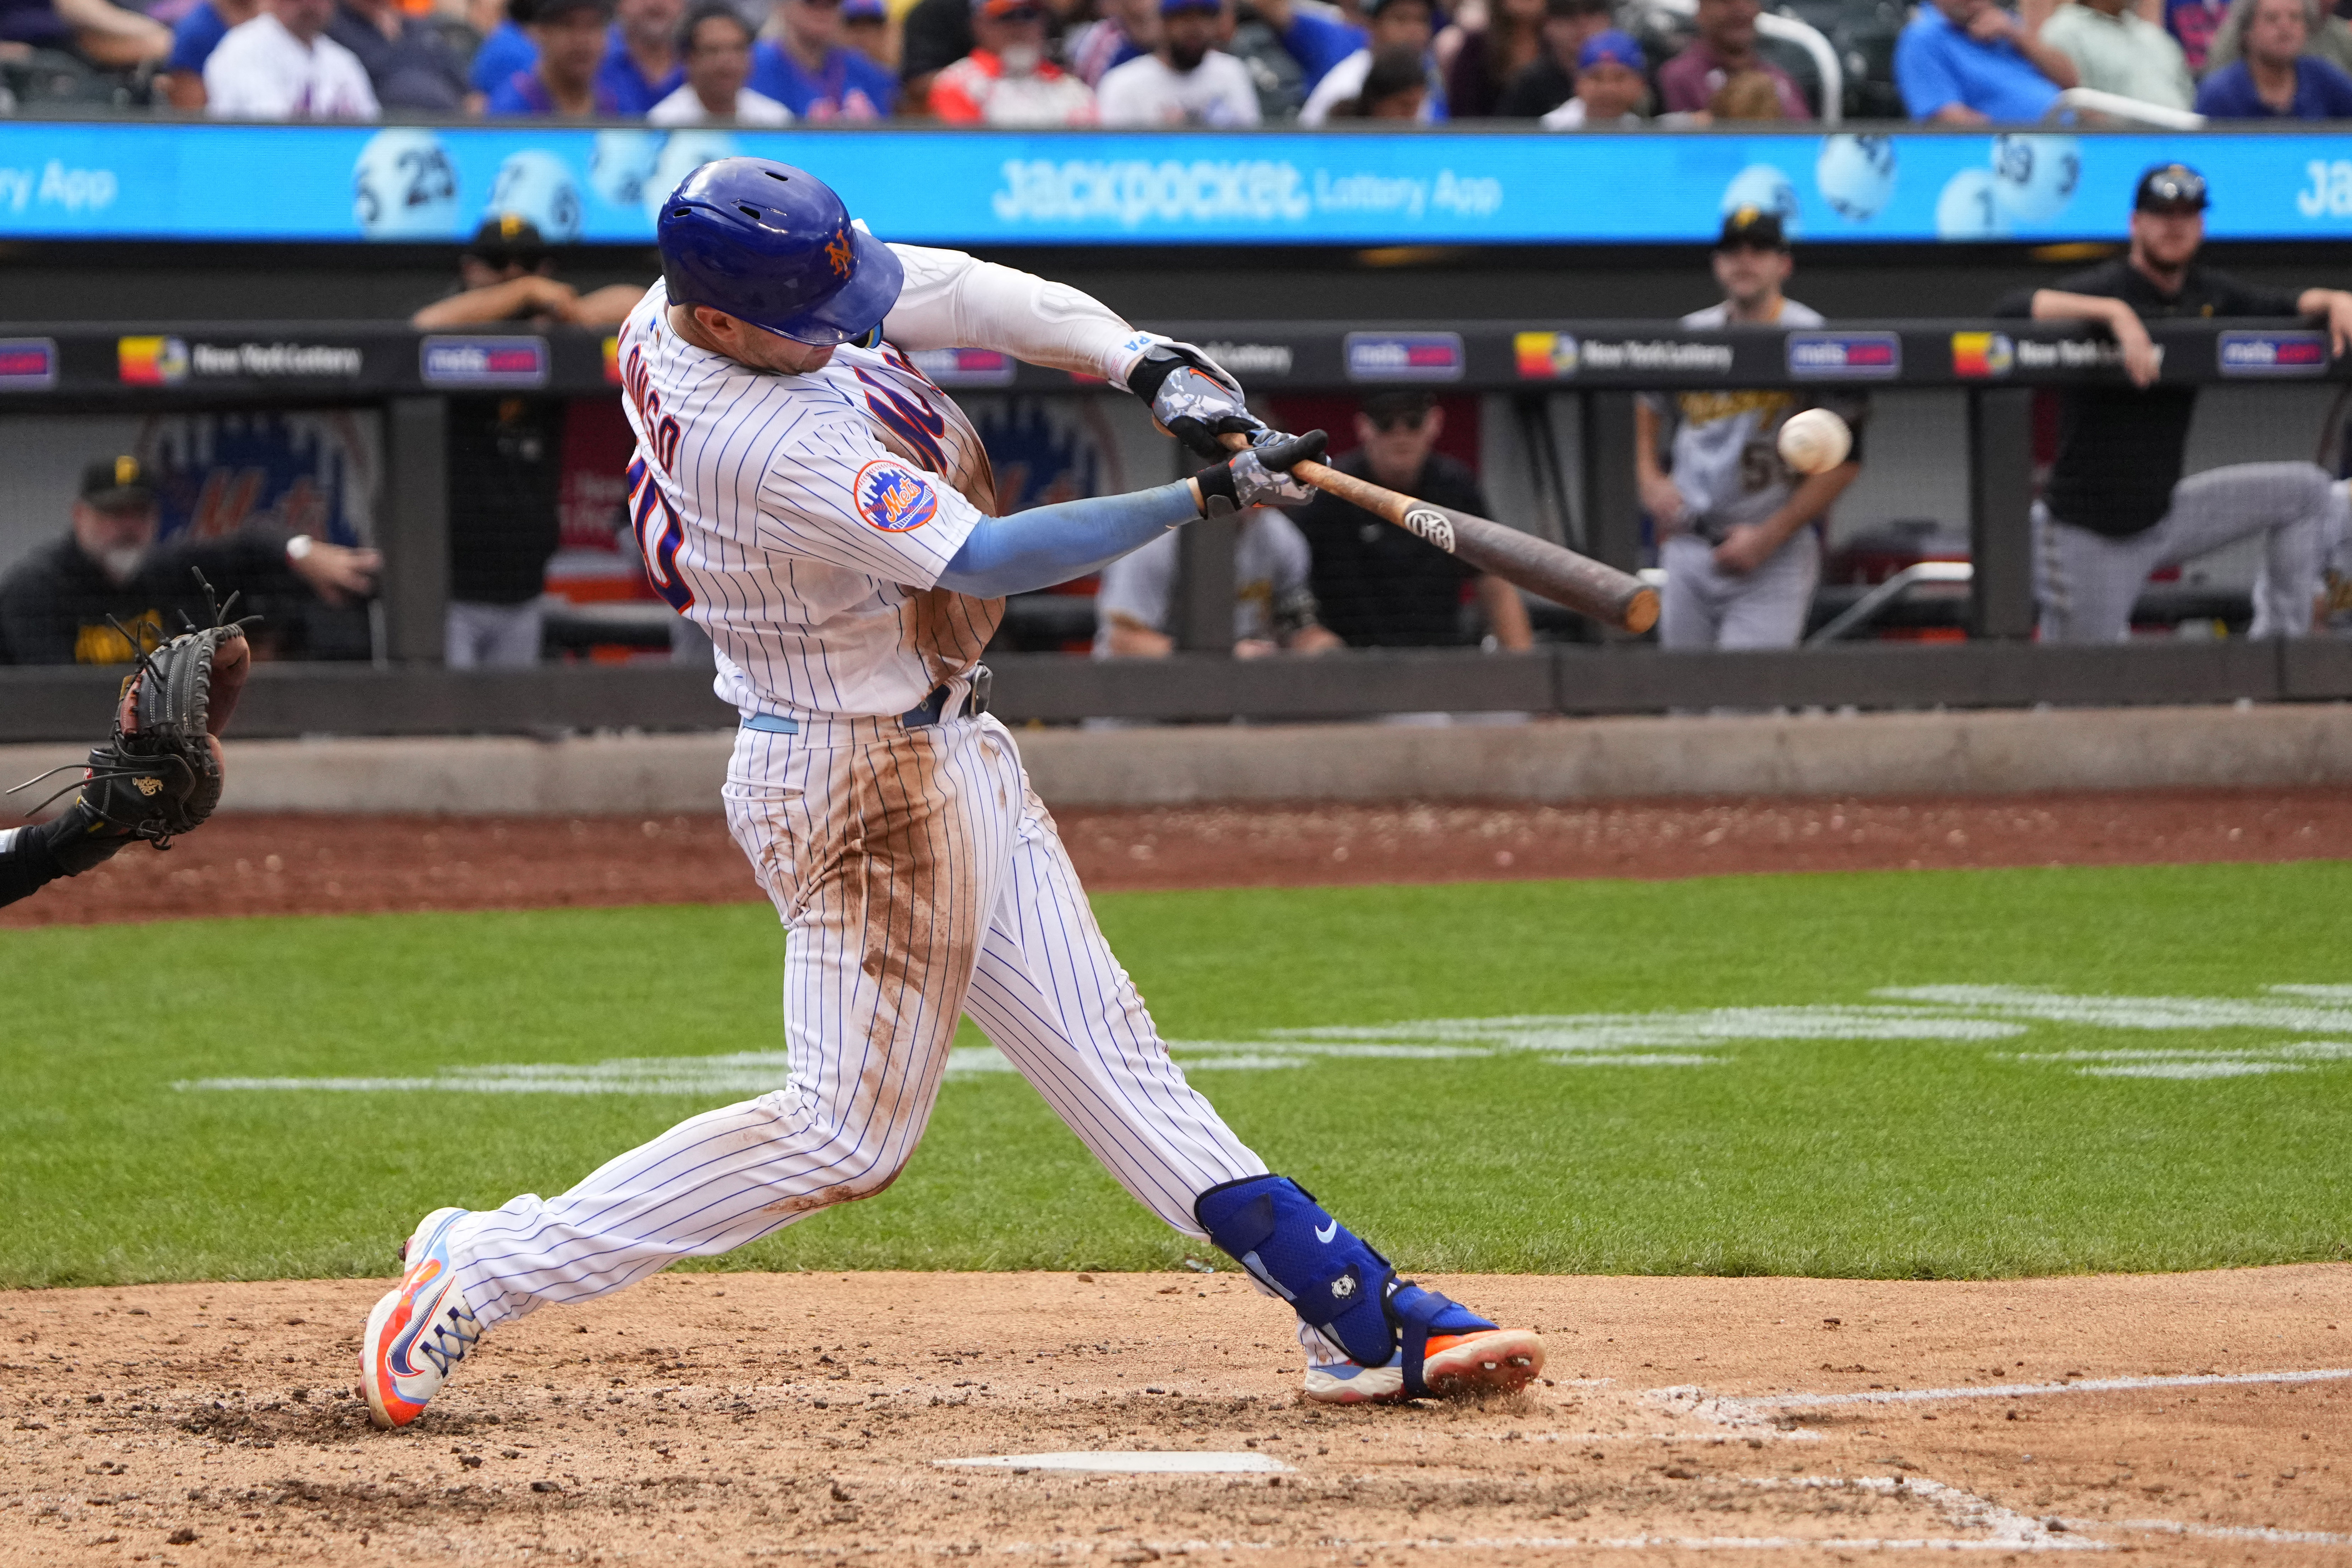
(1465, 262)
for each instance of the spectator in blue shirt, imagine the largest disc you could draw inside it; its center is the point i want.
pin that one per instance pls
(1968, 62)
(506, 49)
(192, 42)
(570, 37)
(640, 61)
(805, 66)
(866, 27)
(1317, 38)
(2275, 80)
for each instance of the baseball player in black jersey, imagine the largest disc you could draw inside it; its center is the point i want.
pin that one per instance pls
(2115, 507)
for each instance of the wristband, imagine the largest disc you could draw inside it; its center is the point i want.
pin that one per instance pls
(1218, 496)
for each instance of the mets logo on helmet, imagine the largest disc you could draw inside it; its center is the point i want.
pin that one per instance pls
(837, 253)
(894, 498)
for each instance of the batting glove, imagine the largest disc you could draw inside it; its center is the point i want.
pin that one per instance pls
(1192, 397)
(1261, 476)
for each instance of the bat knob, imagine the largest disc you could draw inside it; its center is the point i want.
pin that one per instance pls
(1642, 611)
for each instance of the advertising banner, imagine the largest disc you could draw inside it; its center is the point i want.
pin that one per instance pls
(152, 180)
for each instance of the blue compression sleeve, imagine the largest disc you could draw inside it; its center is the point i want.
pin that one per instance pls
(1050, 544)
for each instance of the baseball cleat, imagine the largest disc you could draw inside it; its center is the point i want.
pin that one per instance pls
(1453, 1366)
(419, 1331)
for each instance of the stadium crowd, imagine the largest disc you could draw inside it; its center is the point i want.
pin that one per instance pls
(1566, 64)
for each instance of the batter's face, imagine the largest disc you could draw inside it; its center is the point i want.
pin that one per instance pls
(1750, 275)
(745, 343)
(2167, 242)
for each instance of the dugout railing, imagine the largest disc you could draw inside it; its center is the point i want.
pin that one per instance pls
(1597, 367)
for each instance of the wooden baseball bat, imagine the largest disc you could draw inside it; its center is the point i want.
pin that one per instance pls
(1582, 583)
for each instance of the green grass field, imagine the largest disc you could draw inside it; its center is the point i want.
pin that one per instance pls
(1593, 1114)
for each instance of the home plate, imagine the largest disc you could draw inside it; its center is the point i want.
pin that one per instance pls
(1145, 1463)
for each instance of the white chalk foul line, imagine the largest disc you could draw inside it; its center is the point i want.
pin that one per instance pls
(2263, 1533)
(1745, 1409)
(1145, 1462)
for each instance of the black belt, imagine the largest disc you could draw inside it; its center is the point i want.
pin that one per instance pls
(931, 707)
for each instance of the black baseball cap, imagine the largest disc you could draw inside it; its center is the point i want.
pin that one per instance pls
(2171, 189)
(545, 11)
(507, 238)
(1751, 229)
(1404, 406)
(117, 484)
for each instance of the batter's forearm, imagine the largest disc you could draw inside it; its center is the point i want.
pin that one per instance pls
(1050, 544)
(952, 300)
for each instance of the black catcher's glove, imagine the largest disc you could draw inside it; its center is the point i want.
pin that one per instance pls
(160, 775)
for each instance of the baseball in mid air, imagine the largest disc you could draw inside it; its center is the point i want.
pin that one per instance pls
(1816, 441)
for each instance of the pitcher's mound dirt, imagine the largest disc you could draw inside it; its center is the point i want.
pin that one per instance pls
(724, 1418)
(308, 865)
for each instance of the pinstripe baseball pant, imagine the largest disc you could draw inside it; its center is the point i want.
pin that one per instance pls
(919, 878)
(2086, 582)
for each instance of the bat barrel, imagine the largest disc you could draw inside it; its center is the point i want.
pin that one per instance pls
(1578, 581)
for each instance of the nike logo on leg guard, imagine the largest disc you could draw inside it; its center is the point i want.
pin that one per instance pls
(1328, 1232)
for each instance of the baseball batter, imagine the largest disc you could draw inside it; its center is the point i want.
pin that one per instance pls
(803, 493)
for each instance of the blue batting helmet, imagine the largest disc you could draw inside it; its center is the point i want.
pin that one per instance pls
(772, 245)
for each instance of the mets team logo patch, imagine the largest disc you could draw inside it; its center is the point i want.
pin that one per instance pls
(894, 498)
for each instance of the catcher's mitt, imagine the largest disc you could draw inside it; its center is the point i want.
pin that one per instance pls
(160, 775)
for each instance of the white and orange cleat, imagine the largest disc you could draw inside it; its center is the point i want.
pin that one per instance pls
(419, 1331)
(1458, 1365)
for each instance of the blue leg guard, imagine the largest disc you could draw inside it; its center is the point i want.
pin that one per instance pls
(1276, 1229)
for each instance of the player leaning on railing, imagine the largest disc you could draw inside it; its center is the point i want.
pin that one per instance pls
(2115, 507)
(804, 492)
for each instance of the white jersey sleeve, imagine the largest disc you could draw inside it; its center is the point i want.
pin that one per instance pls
(835, 494)
(952, 300)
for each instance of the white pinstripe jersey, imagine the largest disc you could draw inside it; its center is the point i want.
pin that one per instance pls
(804, 521)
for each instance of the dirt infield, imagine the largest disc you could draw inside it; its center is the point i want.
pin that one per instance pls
(302, 864)
(709, 1418)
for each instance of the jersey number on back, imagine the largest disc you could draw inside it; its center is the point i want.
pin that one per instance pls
(659, 533)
